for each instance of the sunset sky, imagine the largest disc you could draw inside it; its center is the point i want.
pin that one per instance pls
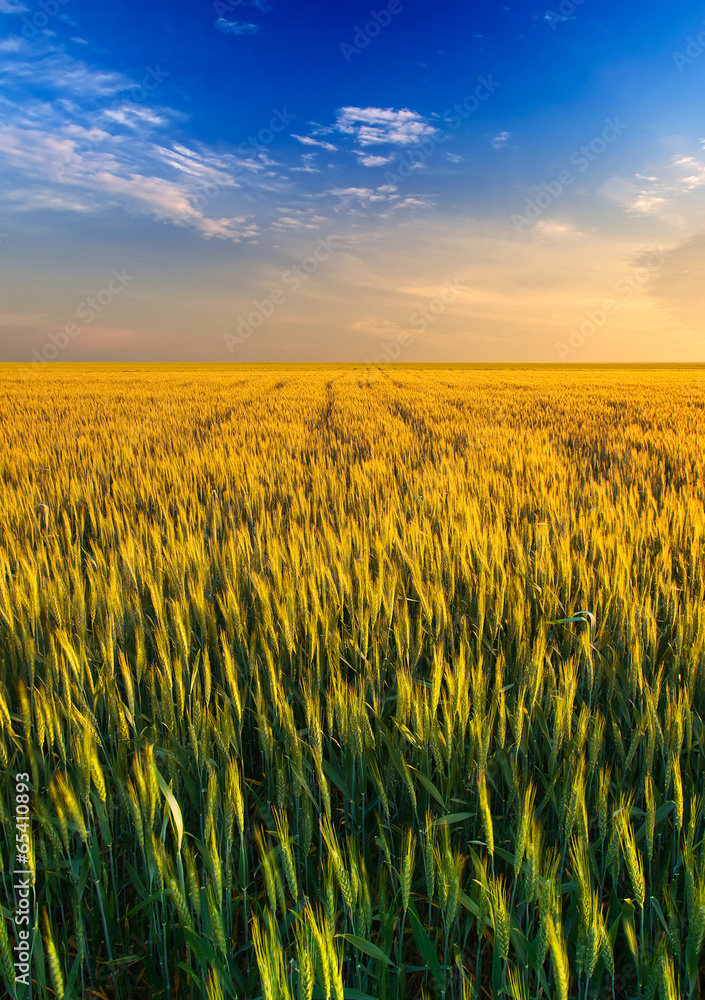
(266, 180)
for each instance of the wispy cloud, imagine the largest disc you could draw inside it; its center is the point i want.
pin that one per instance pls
(307, 140)
(383, 201)
(295, 219)
(373, 126)
(359, 129)
(237, 27)
(55, 70)
(370, 160)
(307, 165)
(93, 180)
(359, 194)
(12, 7)
(663, 193)
(500, 140)
(71, 153)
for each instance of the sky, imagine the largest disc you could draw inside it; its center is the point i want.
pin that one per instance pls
(263, 180)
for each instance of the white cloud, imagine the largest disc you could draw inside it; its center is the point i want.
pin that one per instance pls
(361, 200)
(368, 127)
(88, 148)
(308, 141)
(236, 27)
(412, 202)
(651, 194)
(500, 140)
(297, 218)
(199, 166)
(68, 154)
(368, 160)
(359, 194)
(307, 167)
(286, 222)
(693, 170)
(357, 200)
(55, 70)
(88, 179)
(12, 7)
(134, 115)
(373, 126)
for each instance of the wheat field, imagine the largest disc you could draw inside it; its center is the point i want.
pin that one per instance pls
(354, 681)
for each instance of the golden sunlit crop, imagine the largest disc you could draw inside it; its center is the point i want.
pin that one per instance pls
(350, 681)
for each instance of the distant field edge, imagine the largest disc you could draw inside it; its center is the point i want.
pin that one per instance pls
(10, 366)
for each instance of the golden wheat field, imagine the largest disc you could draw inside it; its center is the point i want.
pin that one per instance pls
(352, 681)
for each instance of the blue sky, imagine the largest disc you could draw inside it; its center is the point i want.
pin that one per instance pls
(479, 180)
